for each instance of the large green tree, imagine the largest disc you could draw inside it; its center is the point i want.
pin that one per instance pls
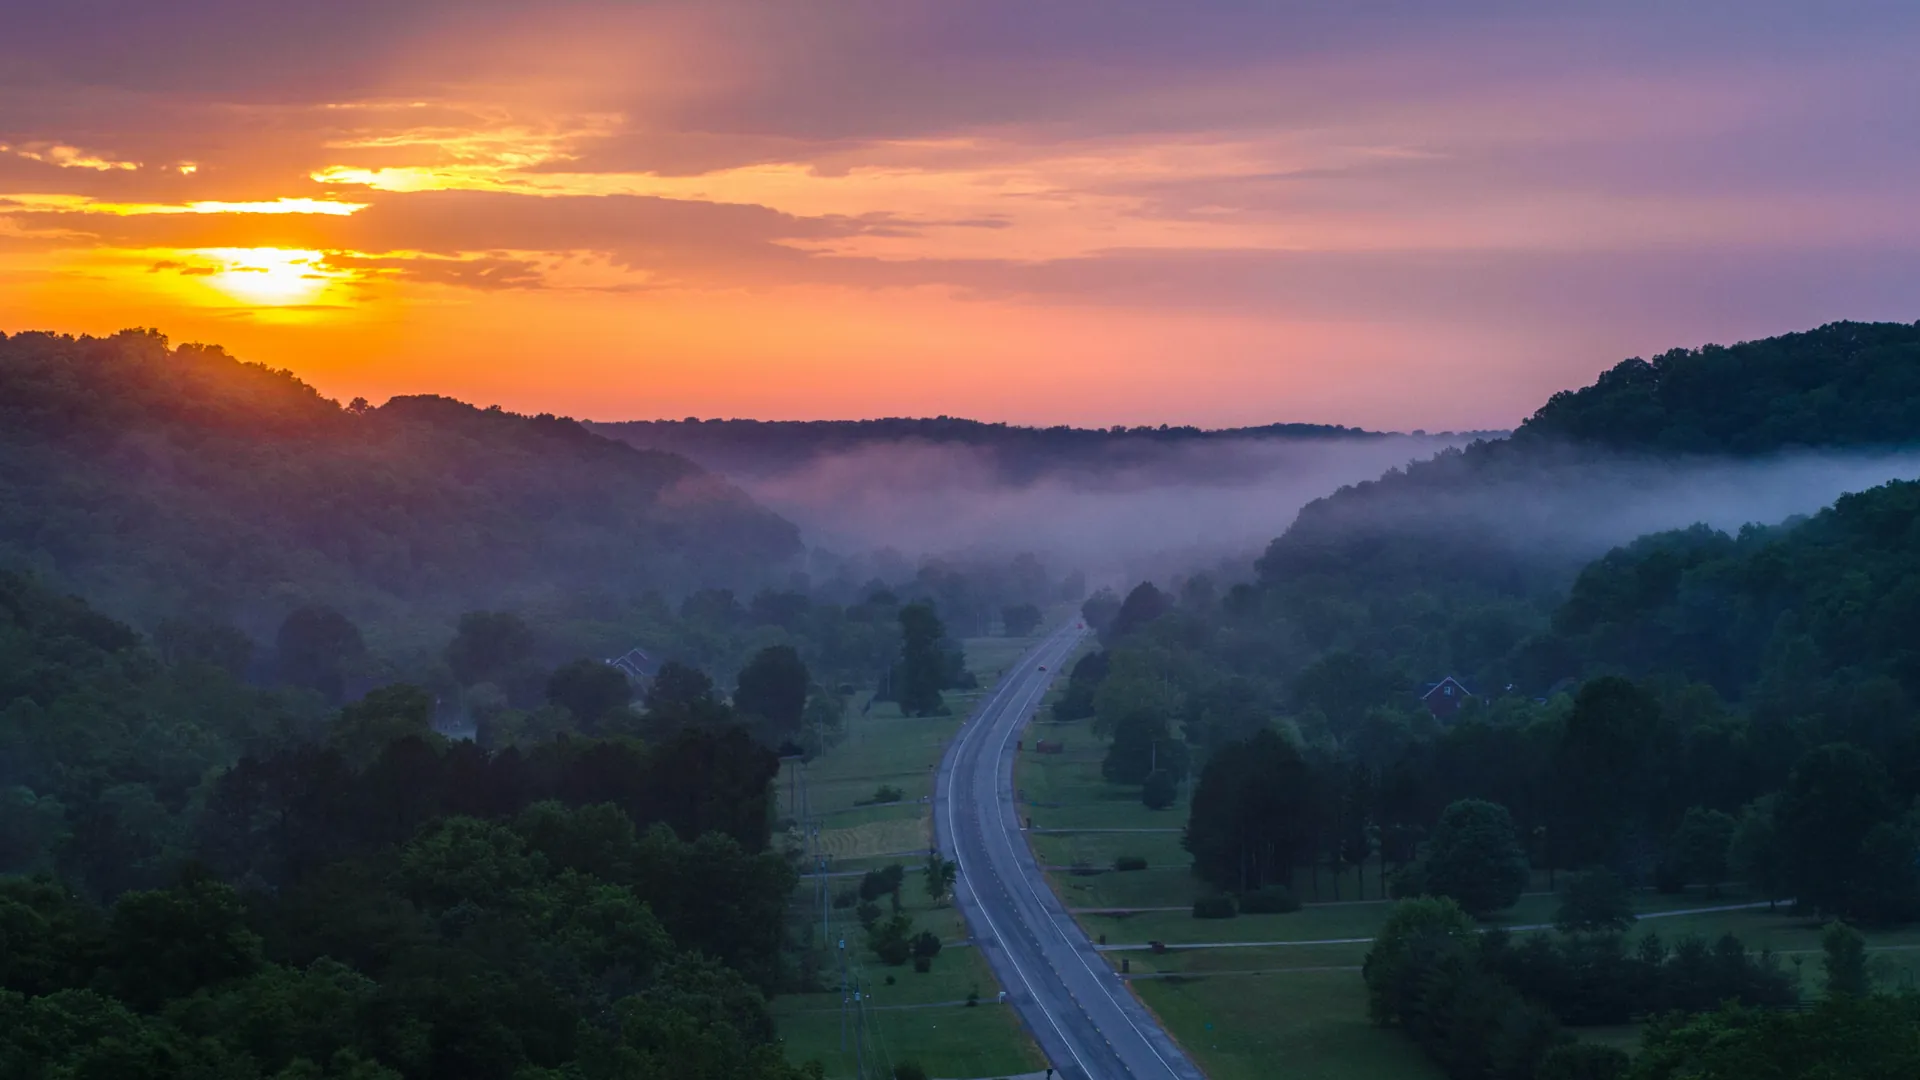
(923, 666)
(1475, 857)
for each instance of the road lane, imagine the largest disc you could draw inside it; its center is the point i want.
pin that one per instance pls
(1089, 1024)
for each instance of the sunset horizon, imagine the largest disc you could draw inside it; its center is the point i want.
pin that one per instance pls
(1071, 215)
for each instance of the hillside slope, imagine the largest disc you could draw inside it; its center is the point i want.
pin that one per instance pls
(159, 481)
(1450, 562)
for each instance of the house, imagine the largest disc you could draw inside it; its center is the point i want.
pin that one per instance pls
(1444, 698)
(637, 664)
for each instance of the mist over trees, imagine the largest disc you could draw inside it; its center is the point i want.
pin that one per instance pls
(372, 761)
(179, 482)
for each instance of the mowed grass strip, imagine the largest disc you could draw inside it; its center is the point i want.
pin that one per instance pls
(920, 1017)
(1304, 1025)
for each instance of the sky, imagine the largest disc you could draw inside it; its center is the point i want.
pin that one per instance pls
(1047, 211)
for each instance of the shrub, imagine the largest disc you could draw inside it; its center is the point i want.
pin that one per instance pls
(1130, 862)
(869, 913)
(908, 1070)
(1271, 900)
(886, 882)
(892, 941)
(1214, 907)
(927, 944)
(846, 898)
(886, 794)
(922, 964)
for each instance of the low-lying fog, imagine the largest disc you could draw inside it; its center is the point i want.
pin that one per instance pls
(1199, 504)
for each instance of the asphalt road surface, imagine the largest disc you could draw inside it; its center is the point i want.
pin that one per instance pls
(1085, 1019)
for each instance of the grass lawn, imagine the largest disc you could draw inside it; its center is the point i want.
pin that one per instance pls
(919, 1018)
(1301, 1009)
(1310, 1025)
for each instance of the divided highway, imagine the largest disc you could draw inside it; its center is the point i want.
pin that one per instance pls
(1089, 1024)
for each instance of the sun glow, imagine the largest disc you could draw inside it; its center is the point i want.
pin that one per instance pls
(270, 277)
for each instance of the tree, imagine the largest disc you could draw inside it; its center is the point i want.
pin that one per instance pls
(681, 696)
(1020, 620)
(1410, 921)
(1143, 743)
(892, 940)
(1845, 961)
(772, 688)
(316, 648)
(922, 667)
(1475, 857)
(1594, 900)
(486, 644)
(367, 727)
(1159, 791)
(1834, 797)
(1099, 610)
(1755, 852)
(1143, 605)
(592, 691)
(1699, 847)
(1606, 762)
(168, 943)
(939, 876)
(1247, 823)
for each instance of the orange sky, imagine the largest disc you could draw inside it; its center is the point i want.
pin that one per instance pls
(1073, 213)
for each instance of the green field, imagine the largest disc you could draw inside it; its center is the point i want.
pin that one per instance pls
(920, 1017)
(1245, 1012)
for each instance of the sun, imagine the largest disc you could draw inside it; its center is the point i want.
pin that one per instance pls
(270, 277)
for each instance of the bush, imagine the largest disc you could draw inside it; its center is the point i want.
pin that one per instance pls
(846, 898)
(908, 1070)
(878, 883)
(886, 794)
(892, 941)
(1214, 907)
(926, 944)
(869, 913)
(922, 964)
(1130, 862)
(1271, 900)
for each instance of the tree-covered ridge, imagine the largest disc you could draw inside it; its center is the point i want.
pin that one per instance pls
(754, 448)
(1450, 562)
(159, 481)
(1843, 384)
(1828, 603)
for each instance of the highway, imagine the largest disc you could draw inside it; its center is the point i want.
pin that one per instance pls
(1085, 1019)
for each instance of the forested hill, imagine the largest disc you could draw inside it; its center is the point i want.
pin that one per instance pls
(1844, 384)
(1824, 609)
(163, 481)
(759, 448)
(1449, 563)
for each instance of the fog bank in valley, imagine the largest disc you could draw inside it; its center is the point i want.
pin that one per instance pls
(1196, 506)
